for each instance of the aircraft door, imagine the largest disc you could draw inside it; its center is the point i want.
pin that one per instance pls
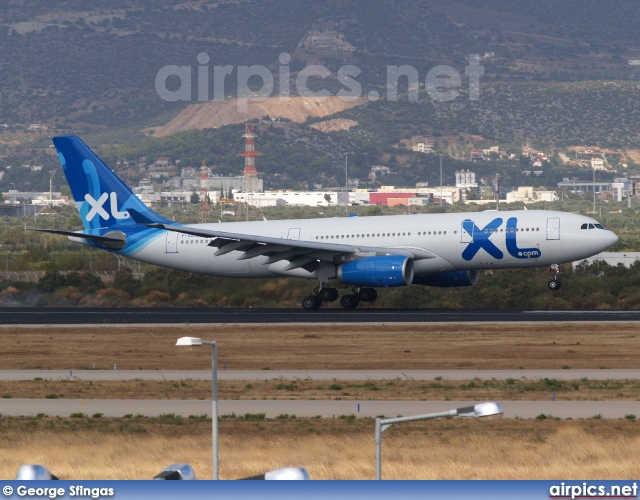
(553, 228)
(172, 242)
(294, 233)
(466, 232)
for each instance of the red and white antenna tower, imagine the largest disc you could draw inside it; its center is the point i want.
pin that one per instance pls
(204, 204)
(249, 152)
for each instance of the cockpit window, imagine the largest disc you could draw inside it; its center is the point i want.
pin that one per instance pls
(592, 226)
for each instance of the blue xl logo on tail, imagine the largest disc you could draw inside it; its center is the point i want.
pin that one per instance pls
(97, 207)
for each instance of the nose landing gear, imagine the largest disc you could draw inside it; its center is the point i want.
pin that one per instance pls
(555, 283)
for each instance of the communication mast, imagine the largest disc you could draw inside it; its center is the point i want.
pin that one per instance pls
(249, 152)
(250, 181)
(204, 204)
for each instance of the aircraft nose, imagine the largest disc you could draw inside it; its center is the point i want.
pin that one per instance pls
(611, 238)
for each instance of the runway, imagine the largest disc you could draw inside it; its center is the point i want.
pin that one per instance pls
(150, 316)
(322, 408)
(293, 375)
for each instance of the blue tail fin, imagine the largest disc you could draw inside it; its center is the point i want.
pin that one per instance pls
(101, 197)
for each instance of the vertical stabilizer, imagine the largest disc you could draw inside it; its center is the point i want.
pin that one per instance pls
(101, 197)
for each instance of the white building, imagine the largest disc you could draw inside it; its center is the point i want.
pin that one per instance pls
(527, 194)
(465, 179)
(288, 198)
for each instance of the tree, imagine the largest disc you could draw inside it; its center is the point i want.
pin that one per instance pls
(51, 281)
(124, 281)
(195, 199)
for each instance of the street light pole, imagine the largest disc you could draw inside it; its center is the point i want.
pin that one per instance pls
(214, 407)
(482, 410)
(194, 341)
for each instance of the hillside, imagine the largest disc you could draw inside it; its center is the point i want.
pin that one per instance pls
(71, 64)
(216, 114)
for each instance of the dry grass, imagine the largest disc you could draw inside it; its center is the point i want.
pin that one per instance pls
(404, 390)
(329, 449)
(137, 448)
(327, 347)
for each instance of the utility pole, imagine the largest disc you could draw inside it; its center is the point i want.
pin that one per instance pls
(346, 181)
(594, 189)
(441, 180)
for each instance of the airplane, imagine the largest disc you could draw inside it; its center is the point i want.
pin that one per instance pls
(442, 250)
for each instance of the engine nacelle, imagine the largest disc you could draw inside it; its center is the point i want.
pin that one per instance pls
(450, 279)
(386, 271)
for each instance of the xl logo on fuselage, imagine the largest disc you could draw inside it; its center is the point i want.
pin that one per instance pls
(97, 207)
(481, 240)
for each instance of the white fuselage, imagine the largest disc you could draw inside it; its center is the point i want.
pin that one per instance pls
(455, 241)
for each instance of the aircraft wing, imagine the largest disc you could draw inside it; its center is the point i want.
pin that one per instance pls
(299, 253)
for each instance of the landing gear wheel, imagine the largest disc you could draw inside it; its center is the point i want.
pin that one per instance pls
(554, 285)
(368, 294)
(311, 302)
(349, 301)
(328, 294)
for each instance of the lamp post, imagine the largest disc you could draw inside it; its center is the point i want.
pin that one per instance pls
(482, 410)
(194, 341)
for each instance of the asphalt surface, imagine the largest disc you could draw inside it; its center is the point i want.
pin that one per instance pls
(292, 375)
(68, 316)
(324, 408)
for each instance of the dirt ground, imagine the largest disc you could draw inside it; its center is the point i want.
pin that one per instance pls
(327, 347)
(355, 390)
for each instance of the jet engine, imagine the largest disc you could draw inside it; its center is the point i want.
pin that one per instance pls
(384, 271)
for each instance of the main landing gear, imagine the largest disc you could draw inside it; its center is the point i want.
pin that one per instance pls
(349, 301)
(555, 283)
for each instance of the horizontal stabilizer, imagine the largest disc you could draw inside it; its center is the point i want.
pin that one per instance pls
(94, 237)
